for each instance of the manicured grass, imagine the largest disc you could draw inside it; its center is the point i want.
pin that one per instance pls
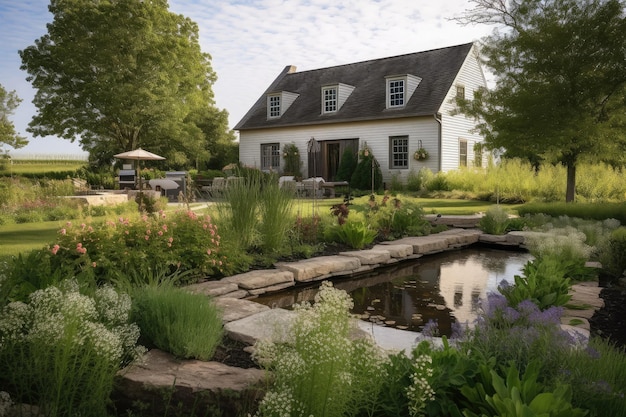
(38, 167)
(17, 238)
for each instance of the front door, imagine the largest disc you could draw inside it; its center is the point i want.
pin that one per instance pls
(333, 158)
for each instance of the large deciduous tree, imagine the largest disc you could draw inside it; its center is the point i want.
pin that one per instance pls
(8, 103)
(120, 74)
(560, 80)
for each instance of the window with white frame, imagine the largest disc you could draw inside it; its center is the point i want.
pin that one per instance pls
(270, 156)
(329, 97)
(273, 105)
(395, 92)
(399, 152)
(462, 152)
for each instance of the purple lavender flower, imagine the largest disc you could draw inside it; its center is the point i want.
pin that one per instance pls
(551, 316)
(458, 330)
(431, 329)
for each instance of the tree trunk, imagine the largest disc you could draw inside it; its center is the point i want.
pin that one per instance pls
(570, 193)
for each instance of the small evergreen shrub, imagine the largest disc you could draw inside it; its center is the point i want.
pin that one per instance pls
(347, 165)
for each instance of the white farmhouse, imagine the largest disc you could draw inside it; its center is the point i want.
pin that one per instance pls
(394, 106)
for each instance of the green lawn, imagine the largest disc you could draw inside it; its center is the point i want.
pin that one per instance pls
(17, 238)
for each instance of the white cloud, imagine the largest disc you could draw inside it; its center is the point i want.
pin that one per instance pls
(251, 41)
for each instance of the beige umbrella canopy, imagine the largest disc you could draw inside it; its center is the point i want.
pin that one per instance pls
(139, 155)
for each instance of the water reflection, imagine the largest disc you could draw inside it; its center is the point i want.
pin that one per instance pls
(445, 287)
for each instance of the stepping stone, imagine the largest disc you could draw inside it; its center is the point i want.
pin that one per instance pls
(212, 288)
(273, 325)
(369, 256)
(236, 309)
(255, 280)
(395, 249)
(321, 267)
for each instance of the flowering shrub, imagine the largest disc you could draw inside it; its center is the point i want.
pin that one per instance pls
(179, 242)
(320, 371)
(62, 349)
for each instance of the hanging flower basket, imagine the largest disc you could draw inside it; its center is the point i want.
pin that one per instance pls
(420, 155)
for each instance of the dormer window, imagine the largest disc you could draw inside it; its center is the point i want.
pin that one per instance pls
(329, 96)
(273, 106)
(278, 103)
(400, 88)
(334, 96)
(395, 92)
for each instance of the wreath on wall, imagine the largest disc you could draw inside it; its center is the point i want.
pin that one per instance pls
(420, 154)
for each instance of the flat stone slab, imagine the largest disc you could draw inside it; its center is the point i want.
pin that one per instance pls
(461, 236)
(321, 267)
(396, 250)
(273, 325)
(369, 256)
(395, 340)
(236, 309)
(426, 244)
(194, 384)
(464, 221)
(212, 288)
(254, 280)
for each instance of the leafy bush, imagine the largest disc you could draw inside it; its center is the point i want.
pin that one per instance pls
(544, 283)
(522, 397)
(613, 253)
(495, 221)
(394, 218)
(413, 181)
(293, 162)
(177, 321)
(62, 349)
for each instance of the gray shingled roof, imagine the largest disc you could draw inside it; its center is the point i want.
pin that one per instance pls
(437, 68)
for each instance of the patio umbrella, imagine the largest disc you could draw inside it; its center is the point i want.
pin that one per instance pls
(139, 155)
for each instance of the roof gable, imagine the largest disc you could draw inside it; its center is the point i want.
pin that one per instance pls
(437, 69)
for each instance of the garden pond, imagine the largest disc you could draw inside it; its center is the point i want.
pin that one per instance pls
(446, 287)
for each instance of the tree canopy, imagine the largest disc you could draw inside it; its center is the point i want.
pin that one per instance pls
(121, 74)
(560, 80)
(8, 103)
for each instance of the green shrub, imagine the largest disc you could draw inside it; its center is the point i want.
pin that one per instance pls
(62, 349)
(347, 165)
(395, 218)
(355, 233)
(396, 185)
(606, 210)
(495, 221)
(544, 282)
(613, 253)
(367, 169)
(239, 210)
(413, 181)
(177, 321)
(526, 396)
(437, 182)
(293, 162)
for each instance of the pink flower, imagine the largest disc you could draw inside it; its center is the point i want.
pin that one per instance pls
(63, 231)
(93, 264)
(83, 225)
(146, 237)
(55, 249)
(164, 227)
(170, 240)
(208, 252)
(205, 226)
(160, 233)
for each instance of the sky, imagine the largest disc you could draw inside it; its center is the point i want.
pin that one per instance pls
(251, 41)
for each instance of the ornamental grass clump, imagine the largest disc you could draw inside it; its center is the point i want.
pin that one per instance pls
(62, 349)
(320, 371)
(177, 321)
(495, 221)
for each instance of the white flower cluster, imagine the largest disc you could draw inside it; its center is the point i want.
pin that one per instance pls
(563, 242)
(420, 392)
(62, 314)
(5, 403)
(280, 404)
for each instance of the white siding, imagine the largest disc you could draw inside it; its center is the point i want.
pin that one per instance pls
(343, 92)
(459, 126)
(376, 134)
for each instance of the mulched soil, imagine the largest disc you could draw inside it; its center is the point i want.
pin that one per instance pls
(610, 321)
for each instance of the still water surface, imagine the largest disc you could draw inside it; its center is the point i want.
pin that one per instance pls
(445, 287)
